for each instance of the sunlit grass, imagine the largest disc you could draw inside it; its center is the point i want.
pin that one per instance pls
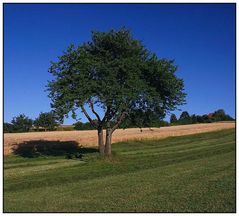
(193, 173)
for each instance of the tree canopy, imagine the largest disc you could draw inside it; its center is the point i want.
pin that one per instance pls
(184, 115)
(117, 73)
(46, 120)
(21, 123)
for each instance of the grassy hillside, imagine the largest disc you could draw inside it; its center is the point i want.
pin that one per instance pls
(193, 173)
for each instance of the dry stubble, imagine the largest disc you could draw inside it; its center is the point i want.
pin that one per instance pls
(89, 138)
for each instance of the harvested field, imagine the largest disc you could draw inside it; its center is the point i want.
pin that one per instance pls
(89, 138)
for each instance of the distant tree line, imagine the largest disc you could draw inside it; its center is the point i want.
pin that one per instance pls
(185, 118)
(87, 126)
(83, 126)
(19, 123)
(46, 121)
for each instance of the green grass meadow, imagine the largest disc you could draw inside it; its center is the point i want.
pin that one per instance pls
(193, 173)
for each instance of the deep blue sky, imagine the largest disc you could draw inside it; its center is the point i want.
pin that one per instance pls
(200, 37)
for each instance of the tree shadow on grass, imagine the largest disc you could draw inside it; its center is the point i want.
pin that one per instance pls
(36, 148)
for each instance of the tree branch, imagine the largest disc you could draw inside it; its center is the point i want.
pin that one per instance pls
(89, 118)
(93, 110)
(120, 119)
(108, 115)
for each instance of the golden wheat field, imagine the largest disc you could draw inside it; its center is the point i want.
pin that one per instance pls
(89, 137)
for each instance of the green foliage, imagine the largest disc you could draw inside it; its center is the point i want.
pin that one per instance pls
(136, 120)
(83, 126)
(160, 123)
(117, 73)
(220, 115)
(185, 118)
(206, 119)
(21, 123)
(46, 120)
(8, 128)
(193, 173)
(173, 118)
(199, 119)
(184, 115)
(126, 124)
(194, 119)
(79, 126)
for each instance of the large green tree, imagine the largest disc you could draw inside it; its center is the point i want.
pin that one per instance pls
(184, 115)
(117, 73)
(220, 115)
(21, 123)
(47, 120)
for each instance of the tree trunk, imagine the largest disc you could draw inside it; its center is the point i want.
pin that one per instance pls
(108, 141)
(101, 141)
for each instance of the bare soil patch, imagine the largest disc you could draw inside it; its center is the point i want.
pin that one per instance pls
(89, 138)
